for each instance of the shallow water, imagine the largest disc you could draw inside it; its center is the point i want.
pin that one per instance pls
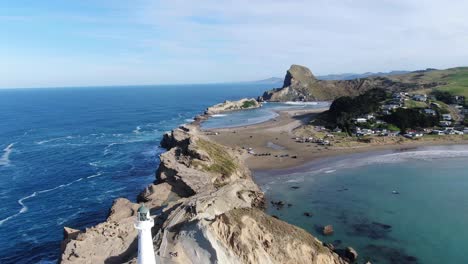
(255, 116)
(66, 154)
(425, 223)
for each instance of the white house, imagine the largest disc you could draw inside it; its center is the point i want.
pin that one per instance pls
(361, 120)
(429, 111)
(420, 97)
(438, 132)
(447, 117)
(445, 123)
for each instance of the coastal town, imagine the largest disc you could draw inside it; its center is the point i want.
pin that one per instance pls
(451, 117)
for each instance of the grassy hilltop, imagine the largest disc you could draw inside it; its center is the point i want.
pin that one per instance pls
(453, 80)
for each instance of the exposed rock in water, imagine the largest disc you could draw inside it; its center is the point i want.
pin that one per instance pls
(351, 254)
(209, 211)
(328, 230)
(242, 104)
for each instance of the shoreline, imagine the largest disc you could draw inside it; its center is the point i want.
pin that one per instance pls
(263, 177)
(275, 139)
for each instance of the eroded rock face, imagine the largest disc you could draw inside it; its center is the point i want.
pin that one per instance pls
(245, 103)
(208, 212)
(251, 236)
(113, 241)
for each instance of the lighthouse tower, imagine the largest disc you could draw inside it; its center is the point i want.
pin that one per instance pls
(144, 223)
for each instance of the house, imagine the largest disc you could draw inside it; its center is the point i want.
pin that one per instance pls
(429, 111)
(380, 122)
(420, 97)
(364, 132)
(447, 117)
(445, 123)
(390, 107)
(393, 133)
(459, 99)
(361, 120)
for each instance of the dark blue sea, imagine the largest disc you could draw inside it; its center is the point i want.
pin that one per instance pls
(67, 153)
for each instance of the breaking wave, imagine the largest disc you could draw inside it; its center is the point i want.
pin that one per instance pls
(301, 103)
(137, 130)
(24, 208)
(218, 115)
(5, 159)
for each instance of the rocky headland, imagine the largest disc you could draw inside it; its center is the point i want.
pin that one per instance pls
(226, 106)
(301, 85)
(207, 209)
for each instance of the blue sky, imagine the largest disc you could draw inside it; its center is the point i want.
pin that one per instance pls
(112, 42)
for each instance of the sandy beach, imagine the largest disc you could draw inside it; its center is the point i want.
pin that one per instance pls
(275, 146)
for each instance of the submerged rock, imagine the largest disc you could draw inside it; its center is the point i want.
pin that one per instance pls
(372, 230)
(390, 255)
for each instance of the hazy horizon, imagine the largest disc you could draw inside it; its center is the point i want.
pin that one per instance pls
(144, 42)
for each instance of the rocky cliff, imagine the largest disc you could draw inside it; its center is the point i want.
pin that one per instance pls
(227, 106)
(301, 85)
(208, 210)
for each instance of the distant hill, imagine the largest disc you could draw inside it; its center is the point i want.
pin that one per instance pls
(272, 80)
(301, 85)
(351, 76)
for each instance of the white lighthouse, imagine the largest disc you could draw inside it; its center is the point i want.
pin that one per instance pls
(144, 223)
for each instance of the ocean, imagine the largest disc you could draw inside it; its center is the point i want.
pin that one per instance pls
(67, 153)
(392, 206)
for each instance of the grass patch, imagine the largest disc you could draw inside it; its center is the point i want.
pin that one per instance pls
(415, 104)
(457, 82)
(222, 162)
(392, 127)
(248, 104)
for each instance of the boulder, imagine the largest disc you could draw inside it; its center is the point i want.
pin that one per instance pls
(351, 254)
(328, 230)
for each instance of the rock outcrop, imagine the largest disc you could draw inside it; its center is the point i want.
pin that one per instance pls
(301, 85)
(242, 104)
(208, 210)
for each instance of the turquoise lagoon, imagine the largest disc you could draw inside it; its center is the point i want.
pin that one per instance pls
(426, 222)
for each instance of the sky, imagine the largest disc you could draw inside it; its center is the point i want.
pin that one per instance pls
(54, 43)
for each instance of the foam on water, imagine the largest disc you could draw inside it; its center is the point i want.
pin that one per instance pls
(24, 208)
(218, 115)
(5, 159)
(137, 130)
(301, 103)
